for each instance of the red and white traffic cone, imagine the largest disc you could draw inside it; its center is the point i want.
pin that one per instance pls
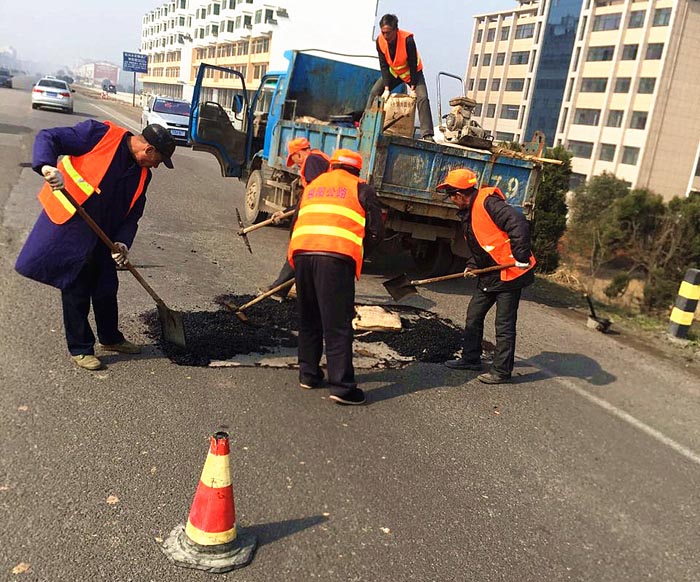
(210, 541)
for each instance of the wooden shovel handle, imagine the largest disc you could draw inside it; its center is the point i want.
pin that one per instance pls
(461, 275)
(266, 295)
(248, 229)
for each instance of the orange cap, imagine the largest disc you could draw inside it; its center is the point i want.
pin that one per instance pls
(347, 157)
(294, 146)
(461, 179)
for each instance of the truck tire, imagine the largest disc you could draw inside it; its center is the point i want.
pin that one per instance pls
(432, 258)
(253, 198)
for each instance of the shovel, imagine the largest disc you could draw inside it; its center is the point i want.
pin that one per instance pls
(601, 324)
(238, 311)
(401, 286)
(170, 321)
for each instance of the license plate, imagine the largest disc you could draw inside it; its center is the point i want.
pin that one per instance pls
(178, 132)
(52, 94)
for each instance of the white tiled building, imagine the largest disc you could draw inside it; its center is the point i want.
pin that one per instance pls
(627, 100)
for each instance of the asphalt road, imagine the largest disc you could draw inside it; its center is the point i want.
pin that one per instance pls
(587, 468)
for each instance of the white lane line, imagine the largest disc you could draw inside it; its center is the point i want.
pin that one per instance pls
(622, 415)
(130, 124)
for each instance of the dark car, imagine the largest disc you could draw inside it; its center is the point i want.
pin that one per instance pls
(5, 78)
(108, 87)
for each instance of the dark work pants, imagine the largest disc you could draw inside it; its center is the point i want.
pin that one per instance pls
(326, 303)
(506, 319)
(425, 117)
(97, 283)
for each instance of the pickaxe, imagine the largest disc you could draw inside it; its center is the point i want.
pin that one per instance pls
(243, 232)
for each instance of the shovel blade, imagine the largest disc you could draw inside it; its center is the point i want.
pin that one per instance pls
(172, 326)
(400, 287)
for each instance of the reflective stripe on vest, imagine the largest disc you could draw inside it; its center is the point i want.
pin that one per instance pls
(491, 238)
(304, 183)
(331, 218)
(398, 66)
(82, 176)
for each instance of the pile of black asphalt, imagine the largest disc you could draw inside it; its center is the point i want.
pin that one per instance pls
(221, 335)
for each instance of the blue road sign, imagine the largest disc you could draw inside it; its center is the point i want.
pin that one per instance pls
(135, 62)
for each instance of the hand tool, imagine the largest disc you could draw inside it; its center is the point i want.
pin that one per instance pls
(401, 286)
(238, 311)
(599, 323)
(171, 322)
(243, 232)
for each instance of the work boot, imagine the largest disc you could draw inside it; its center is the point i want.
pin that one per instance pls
(87, 361)
(489, 378)
(462, 364)
(123, 347)
(354, 398)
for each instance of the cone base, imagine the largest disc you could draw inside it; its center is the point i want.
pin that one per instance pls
(183, 552)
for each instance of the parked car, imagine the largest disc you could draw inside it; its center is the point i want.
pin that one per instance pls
(108, 86)
(52, 92)
(5, 78)
(173, 114)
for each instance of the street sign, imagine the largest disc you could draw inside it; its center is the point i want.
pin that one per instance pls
(135, 62)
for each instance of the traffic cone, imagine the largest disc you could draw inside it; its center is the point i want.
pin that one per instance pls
(210, 541)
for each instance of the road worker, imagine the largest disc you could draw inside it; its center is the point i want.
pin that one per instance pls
(400, 63)
(339, 219)
(106, 169)
(496, 234)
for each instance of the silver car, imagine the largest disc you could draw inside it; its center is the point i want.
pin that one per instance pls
(52, 93)
(173, 114)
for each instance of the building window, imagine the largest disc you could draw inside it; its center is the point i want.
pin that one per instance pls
(500, 59)
(259, 71)
(491, 110)
(577, 56)
(615, 118)
(477, 110)
(510, 111)
(520, 58)
(482, 85)
(490, 34)
(607, 21)
(479, 35)
(629, 52)
(505, 32)
(504, 136)
(515, 84)
(563, 119)
(475, 60)
(258, 19)
(636, 19)
(525, 31)
(487, 60)
(580, 149)
(586, 116)
(662, 17)
(638, 120)
(646, 85)
(622, 85)
(607, 152)
(594, 84)
(471, 84)
(630, 155)
(654, 51)
(495, 84)
(600, 53)
(584, 21)
(216, 9)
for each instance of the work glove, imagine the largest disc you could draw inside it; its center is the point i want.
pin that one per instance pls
(53, 176)
(411, 91)
(520, 265)
(468, 272)
(277, 217)
(386, 94)
(121, 257)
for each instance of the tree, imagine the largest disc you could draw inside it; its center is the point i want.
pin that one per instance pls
(550, 209)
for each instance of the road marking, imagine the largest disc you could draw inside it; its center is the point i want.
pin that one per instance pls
(124, 120)
(622, 415)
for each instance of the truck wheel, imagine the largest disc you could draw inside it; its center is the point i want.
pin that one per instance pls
(253, 197)
(432, 258)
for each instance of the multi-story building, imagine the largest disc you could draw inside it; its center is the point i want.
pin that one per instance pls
(627, 100)
(249, 36)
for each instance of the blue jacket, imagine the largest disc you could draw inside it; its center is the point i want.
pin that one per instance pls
(54, 254)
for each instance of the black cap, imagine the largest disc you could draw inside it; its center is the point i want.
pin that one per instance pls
(160, 138)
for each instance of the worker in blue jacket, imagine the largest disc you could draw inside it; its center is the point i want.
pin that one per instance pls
(106, 169)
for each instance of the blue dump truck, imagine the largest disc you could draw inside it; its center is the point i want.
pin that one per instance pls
(324, 100)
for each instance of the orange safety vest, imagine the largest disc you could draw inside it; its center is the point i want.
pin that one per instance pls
(304, 183)
(331, 218)
(492, 239)
(399, 65)
(82, 176)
